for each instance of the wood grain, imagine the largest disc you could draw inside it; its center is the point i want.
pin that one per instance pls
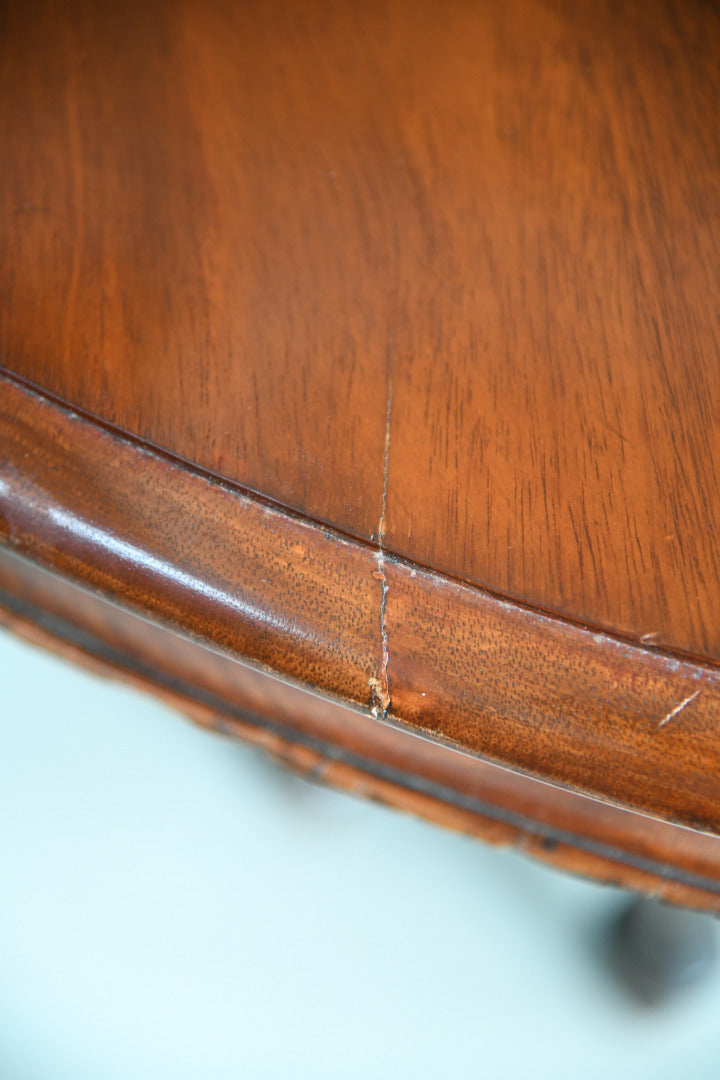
(568, 705)
(240, 231)
(331, 744)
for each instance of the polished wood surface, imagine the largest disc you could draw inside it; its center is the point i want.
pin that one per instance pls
(366, 628)
(266, 235)
(332, 744)
(375, 346)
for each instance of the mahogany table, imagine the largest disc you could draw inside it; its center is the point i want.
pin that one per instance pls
(360, 382)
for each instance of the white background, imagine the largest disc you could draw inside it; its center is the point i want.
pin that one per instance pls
(173, 905)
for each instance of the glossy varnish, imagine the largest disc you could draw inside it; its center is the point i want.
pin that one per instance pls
(403, 644)
(332, 744)
(457, 260)
(374, 347)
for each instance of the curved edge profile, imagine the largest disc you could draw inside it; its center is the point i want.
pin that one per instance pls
(563, 703)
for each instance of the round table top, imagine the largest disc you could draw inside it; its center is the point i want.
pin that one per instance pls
(436, 284)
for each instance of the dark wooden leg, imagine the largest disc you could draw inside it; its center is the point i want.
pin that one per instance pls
(658, 949)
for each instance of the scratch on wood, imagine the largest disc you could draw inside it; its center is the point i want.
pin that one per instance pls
(679, 708)
(384, 695)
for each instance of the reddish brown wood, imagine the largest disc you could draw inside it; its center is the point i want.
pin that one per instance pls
(229, 227)
(566, 704)
(330, 743)
(396, 304)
